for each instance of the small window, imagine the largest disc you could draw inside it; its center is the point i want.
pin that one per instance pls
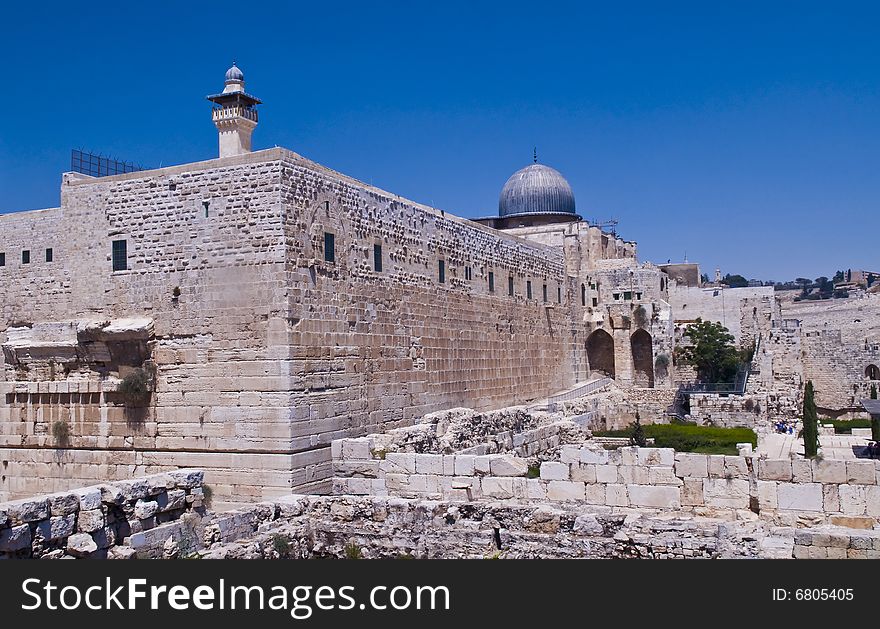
(329, 247)
(49, 254)
(491, 282)
(468, 274)
(2, 259)
(528, 289)
(120, 255)
(583, 295)
(442, 271)
(595, 301)
(26, 256)
(616, 296)
(510, 286)
(638, 295)
(545, 292)
(558, 294)
(627, 296)
(377, 258)
(206, 205)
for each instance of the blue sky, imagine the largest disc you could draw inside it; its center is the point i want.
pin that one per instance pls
(744, 136)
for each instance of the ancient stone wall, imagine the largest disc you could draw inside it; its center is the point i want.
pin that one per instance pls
(744, 311)
(111, 519)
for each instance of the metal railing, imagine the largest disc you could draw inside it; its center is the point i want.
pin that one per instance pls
(98, 165)
(580, 391)
(738, 386)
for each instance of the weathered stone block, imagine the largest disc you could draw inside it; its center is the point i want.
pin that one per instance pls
(497, 487)
(632, 475)
(505, 465)
(594, 494)
(587, 524)
(584, 473)
(63, 503)
(606, 473)
(89, 521)
(560, 490)
(663, 476)
(81, 545)
(774, 469)
(481, 464)
(767, 495)
(89, 498)
(716, 465)
(860, 473)
(691, 465)
(551, 470)
(854, 499)
(536, 489)
(400, 463)
(616, 496)
(692, 492)
(186, 478)
(655, 456)
(57, 527)
(28, 510)
(464, 464)
(569, 454)
(648, 496)
(736, 467)
(873, 501)
(801, 471)
(853, 522)
(594, 457)
(429, 464)
(15, 538)
(800, 496)
(144, 509)
(829, 471)
(356, 448)
(731, 493)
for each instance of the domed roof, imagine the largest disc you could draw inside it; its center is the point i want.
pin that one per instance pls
(234, 74)
(536, 189)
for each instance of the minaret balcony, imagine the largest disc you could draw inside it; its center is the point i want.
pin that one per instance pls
(221, 114)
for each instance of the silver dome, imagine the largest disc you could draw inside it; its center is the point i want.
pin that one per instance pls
(536, 189)
(234, 74)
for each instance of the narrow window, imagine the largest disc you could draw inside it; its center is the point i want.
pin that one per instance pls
(638, 295)
(627, 296)
(558, 294)
(491, 282)
(329, 247)
(583, 295)
(442, 271)
(595, 301)
(616, 296)
(510, 286)
(2, 259)
(49, 254)
(528, 289)
(26, 256)
(467, 273)
(120, 255)
(377, 258)
(206, 204)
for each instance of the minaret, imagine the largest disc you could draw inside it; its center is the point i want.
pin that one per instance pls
(236, 116)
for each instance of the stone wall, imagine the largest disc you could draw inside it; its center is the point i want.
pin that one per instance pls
(263, 352)
(744, 311)
(782, 490)
(111, 519)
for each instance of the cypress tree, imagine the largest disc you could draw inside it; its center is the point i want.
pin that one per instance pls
(811, 423)
(873, 391)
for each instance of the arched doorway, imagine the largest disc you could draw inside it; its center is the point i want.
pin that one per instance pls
(872, 372)
(643, 359)
(600, 353)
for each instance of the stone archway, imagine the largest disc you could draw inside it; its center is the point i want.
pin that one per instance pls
(872, 372)
(600, 353)
(643, 359)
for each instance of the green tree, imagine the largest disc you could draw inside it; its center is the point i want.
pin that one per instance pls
(838, 277)
(875, 419)
(637, 434)
(734, 281)
(811, 422)
(873, 391)
(711, 353)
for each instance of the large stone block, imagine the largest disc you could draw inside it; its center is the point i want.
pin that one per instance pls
(649, 496)
(736, 467)
(853, 499)
(831, 498)
(606, 473)
(63, 503)
(15, 538)
(429, 464)
(552, 470)
(767, 500)
(873, 501)
(464, 464)
(731, 493)
(57, 527)
(508, 466)
(497, 487)
(28, 510)
(860, 473)
(89, 498)
(774, 469)
(632, 475)
(89, 521)
(691, 465)
(829, 471)
(400, 463)
(594, 457)
(692, 492)
(616, 495)
(800, 496)
(801, 471)
(584, 473)
(655, 456)
(560, 490)
(662, 475)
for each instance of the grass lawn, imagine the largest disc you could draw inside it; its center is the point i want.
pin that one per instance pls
(845, 426)
(690, 438)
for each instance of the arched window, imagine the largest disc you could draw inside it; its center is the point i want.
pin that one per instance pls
(872, 372)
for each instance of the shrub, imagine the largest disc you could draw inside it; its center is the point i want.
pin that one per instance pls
(61, 433)
(641, 317)
(637, 434)
(135, 388)
(845, 426)
(353, 551)
(811, 423)
(662, 361)
(281, 545)
(534, 471)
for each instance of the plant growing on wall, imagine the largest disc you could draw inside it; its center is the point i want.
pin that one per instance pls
(811, 422)
(640, 316)
(637, 434)
(661, 363)
(135, 388)
(61, 433)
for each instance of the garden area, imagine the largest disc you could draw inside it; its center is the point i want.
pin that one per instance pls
(690, 437)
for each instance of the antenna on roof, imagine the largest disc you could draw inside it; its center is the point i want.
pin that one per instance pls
(536, 154)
